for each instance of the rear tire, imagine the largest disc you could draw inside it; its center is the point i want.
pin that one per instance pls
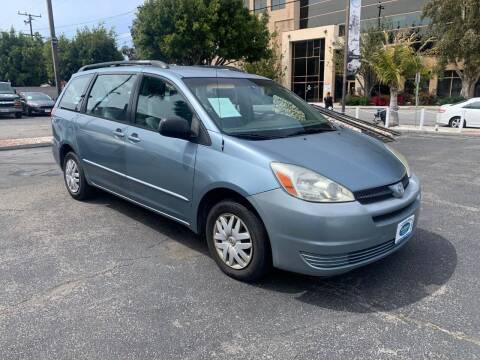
(74, 177)
(238, 241)
(455, 122)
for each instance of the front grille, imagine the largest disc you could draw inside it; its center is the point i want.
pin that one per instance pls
(380, 193)
(351, 258)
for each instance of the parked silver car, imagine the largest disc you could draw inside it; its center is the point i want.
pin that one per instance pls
(235, 157)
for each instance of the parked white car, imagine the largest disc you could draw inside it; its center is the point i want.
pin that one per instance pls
(452, 113)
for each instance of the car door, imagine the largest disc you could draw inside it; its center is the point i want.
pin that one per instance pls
(160, 169)
(472, 114)
(102, 130)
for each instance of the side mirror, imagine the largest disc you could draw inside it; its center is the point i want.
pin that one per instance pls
(175, 127)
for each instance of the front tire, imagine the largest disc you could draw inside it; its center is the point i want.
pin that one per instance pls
(74, 177)
(238, 241)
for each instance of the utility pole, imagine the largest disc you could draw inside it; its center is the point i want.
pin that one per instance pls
(345, 56)
(380, 8)
(30, 17)
(54, 41)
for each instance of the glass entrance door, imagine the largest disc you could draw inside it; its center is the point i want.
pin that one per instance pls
(308, 69)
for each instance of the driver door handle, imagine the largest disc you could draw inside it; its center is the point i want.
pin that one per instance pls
(119, 133)
(134, 138)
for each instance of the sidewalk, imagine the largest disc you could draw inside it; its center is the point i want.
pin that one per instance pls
(25, 143)
(442, 130)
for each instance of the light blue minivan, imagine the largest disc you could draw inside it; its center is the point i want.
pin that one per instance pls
(241, 161)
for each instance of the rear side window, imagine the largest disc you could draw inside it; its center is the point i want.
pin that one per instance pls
(474, 105)
(74, 93)
(110, 96)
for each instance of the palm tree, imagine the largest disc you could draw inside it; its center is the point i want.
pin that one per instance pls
(394, 62)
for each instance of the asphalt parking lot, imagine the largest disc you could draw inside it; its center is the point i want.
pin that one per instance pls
(26, 127)
(106, 279)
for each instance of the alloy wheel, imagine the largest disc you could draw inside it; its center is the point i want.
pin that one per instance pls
(455, 122)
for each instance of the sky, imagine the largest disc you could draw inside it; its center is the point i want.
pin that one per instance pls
(70, 15)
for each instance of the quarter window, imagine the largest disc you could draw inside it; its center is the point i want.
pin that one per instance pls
(74, 93)
(474, 105)
(160, 100)
(110, 96)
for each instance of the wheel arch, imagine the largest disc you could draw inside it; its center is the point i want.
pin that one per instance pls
(214, 196)
(65, 148)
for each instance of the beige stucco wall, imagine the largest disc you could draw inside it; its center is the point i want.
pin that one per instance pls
(329, 33)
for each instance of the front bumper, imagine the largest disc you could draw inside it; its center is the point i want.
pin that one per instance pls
(40, 110)
(331, 239)
(10, 110)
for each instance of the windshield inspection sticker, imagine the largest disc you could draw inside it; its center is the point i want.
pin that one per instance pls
(224, 107)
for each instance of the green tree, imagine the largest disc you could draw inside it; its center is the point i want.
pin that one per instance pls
(395, 61)
(456, 27)
(88, 46)
(21, 60)
(68, 65)
(190, 32)
(271, 67)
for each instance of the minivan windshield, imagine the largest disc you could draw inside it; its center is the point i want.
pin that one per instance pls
(6, 88)
(256, 108)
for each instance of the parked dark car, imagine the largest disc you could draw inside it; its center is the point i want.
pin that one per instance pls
(9, 101)
(36, 103)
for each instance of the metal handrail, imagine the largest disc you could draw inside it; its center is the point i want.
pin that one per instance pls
(155, 63)
(383, 134)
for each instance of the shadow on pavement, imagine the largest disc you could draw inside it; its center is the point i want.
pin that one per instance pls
(416, 271)
(166, 227)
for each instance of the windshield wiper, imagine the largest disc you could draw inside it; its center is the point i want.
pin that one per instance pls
(311, 131)
(251, 136)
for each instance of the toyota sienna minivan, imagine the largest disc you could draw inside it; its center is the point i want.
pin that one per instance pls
(238, 159)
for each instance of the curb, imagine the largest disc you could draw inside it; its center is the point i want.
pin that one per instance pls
(25, 146)
(438, 133)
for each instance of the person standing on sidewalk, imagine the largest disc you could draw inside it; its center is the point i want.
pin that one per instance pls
(328, 101)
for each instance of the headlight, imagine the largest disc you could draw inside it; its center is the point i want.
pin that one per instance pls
(308, 185)
(401, 158)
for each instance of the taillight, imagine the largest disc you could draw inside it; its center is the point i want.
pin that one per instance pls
(441, 111)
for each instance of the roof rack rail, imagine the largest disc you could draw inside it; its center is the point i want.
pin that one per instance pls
(155, 63)
(223, 67)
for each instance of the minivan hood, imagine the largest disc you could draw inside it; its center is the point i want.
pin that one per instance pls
(351, 159)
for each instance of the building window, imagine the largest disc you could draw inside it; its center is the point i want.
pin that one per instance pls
(449, 85)
(246, 4)
(308, 69)
(260, 6)
(278, 4)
